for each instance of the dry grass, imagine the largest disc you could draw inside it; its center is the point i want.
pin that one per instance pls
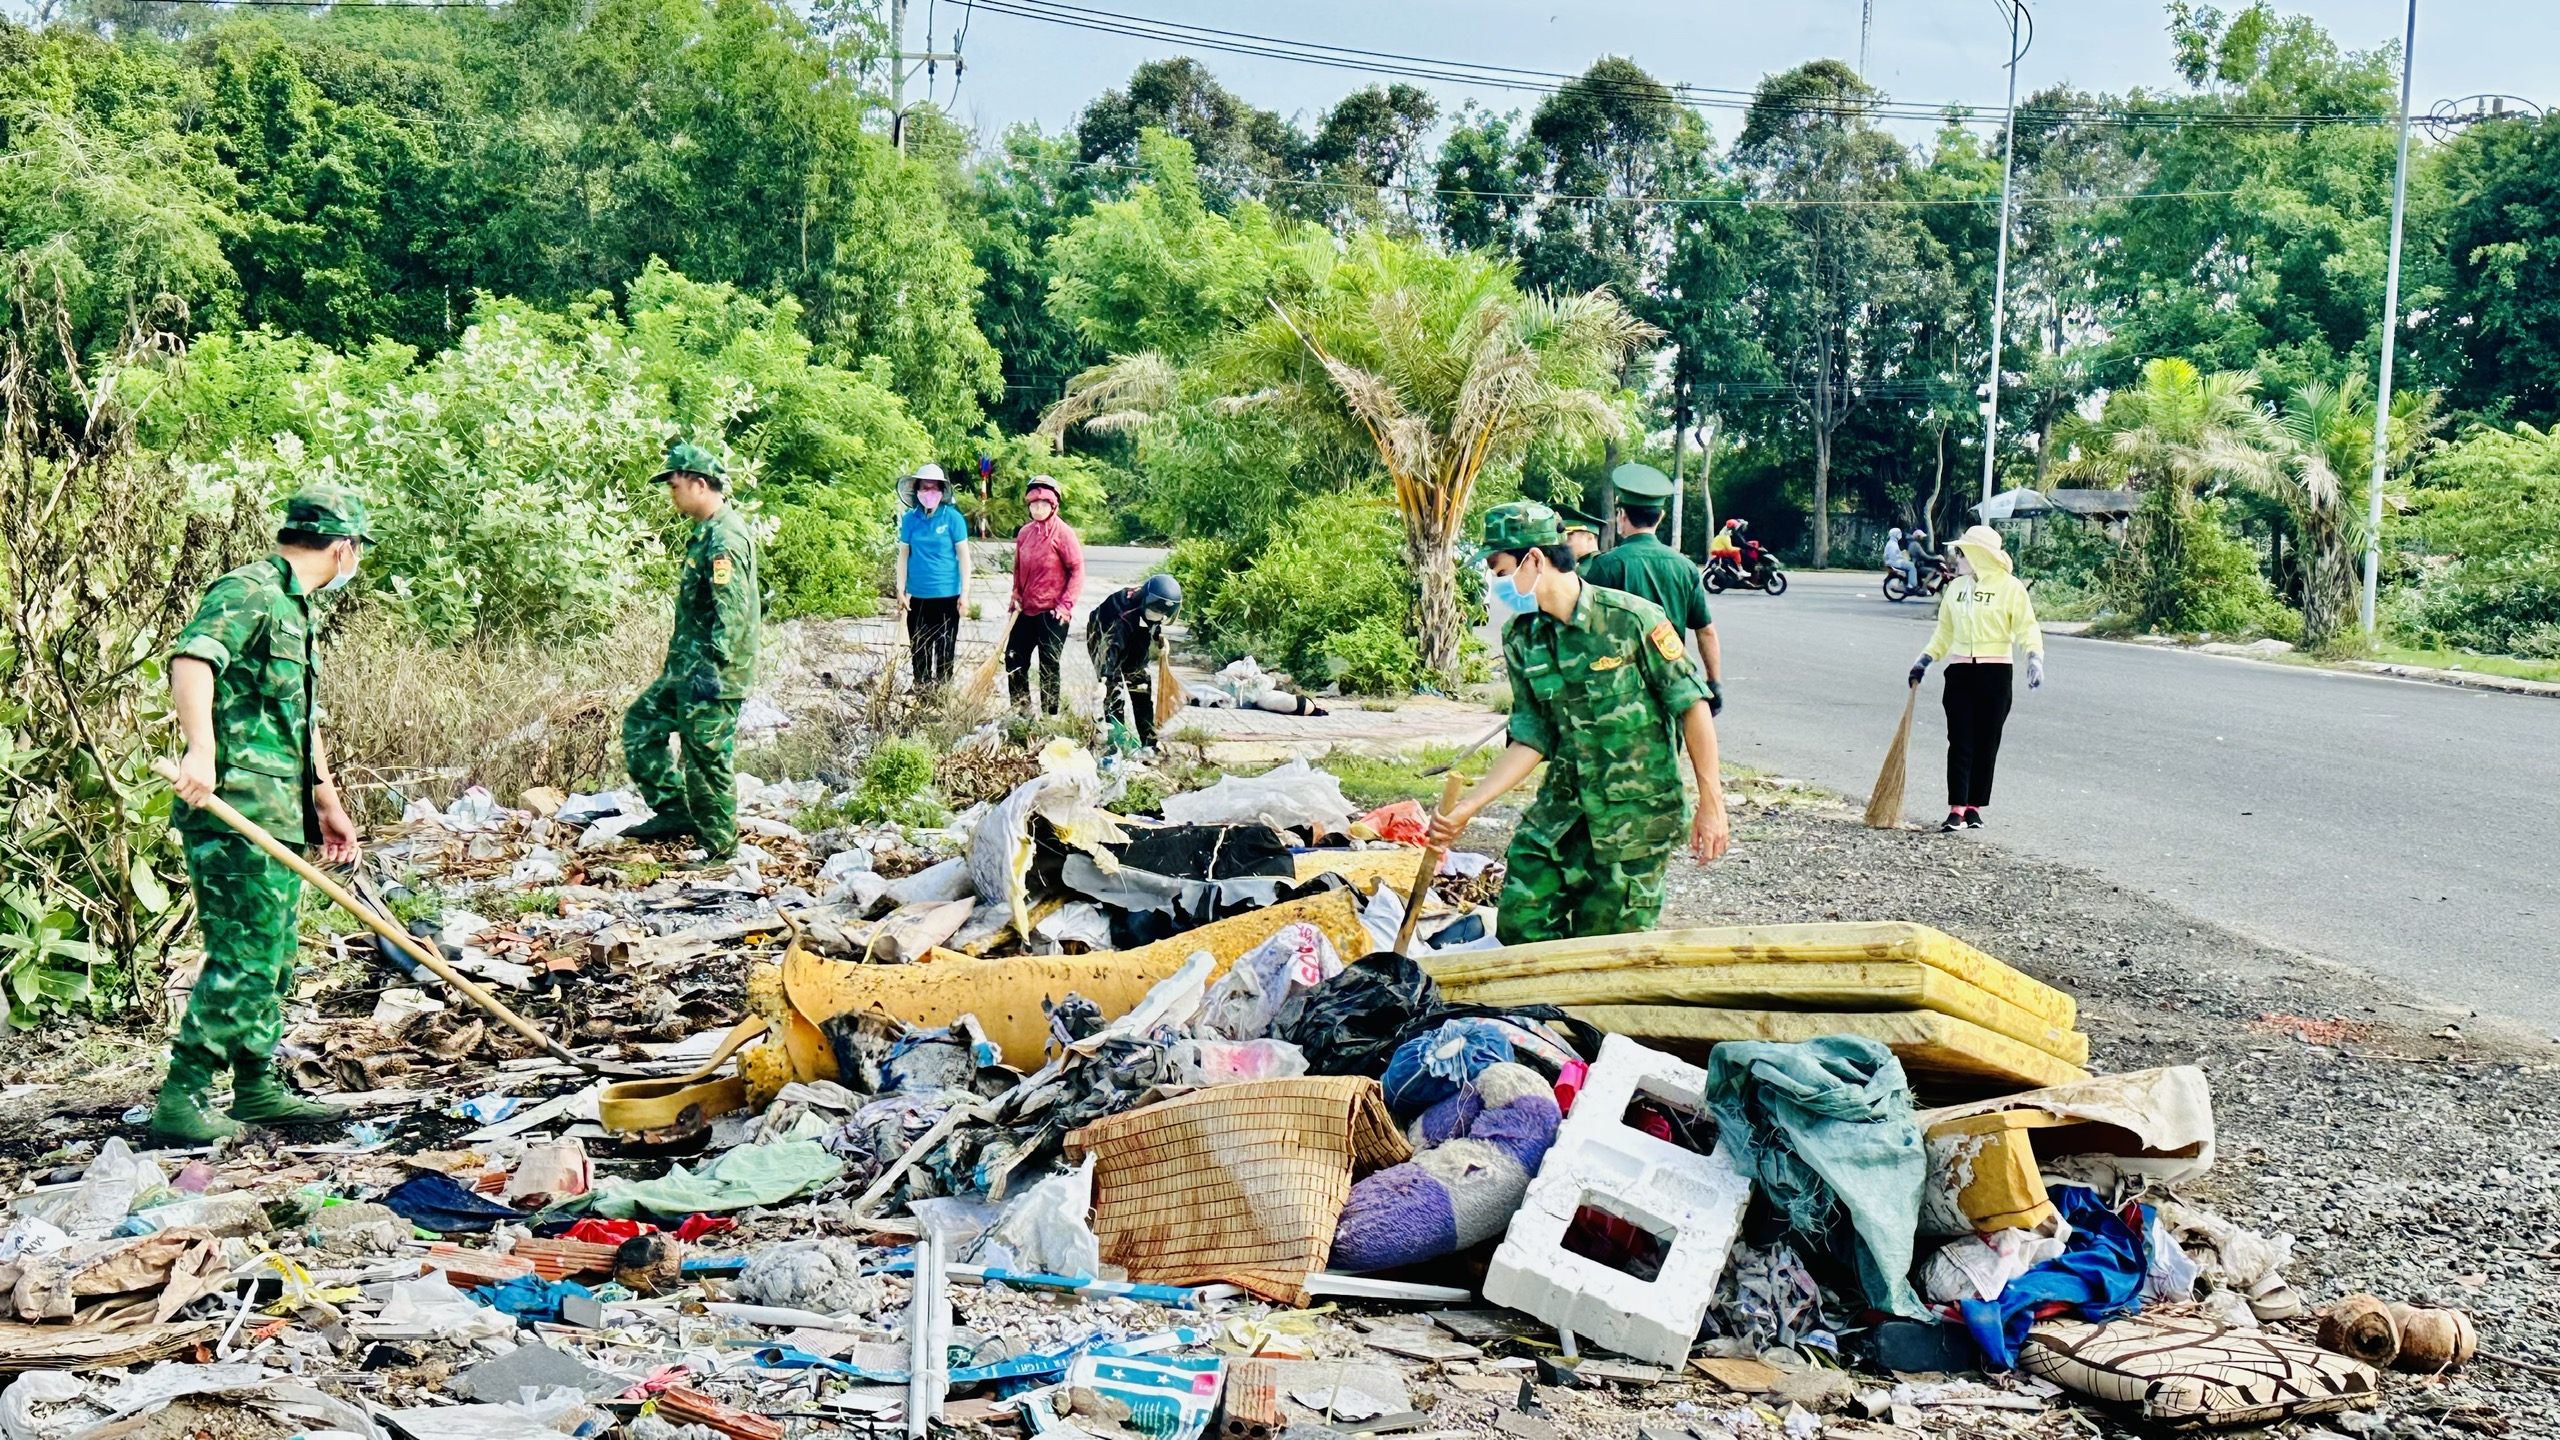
(409, 719)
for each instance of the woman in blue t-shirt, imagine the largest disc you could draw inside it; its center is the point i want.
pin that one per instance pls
(933, 574)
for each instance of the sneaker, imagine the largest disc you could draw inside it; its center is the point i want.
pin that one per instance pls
(1972, 818)
(1954, 821)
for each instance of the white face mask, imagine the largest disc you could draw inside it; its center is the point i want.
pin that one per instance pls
(1042, 509)
(339, 580)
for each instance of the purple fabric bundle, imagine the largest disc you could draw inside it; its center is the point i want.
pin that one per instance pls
(1479, 1149)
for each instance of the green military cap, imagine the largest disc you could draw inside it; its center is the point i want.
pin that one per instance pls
(330, 510)
(1569, 520)
(1641, 483)
(1519, 525)
(685, 457)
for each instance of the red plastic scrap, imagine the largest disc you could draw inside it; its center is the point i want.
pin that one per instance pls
(692, 1407)
(1404, 822)
(697, 1226)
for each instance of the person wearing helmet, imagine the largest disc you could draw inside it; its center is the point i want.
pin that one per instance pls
(710, 666)
(244, 680)
(1897, 558)
(1121, 635)
(933, 573)
(1600, 686)
(1048, 574)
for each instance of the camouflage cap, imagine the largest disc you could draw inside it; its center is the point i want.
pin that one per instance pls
(1519, 525)
(331, 510)
(686, 458)
(1641, 483)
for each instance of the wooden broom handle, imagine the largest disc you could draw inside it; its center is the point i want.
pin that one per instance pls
(256, 834)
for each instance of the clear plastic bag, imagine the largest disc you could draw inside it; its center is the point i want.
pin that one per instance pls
(1049, 1230)
(1294, 794)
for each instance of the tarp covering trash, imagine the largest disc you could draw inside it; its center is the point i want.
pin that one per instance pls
(1055, 1119)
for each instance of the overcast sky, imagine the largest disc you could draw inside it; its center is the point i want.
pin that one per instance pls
(1920, 51)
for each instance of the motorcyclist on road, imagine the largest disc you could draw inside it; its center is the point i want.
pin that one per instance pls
(1897, 558)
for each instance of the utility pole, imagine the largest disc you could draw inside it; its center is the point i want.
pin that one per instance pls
(1866, 23)
(898, 58)
(2390, 333)
(2000, 270)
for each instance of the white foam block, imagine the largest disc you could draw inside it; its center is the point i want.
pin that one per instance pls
(1694, 1202)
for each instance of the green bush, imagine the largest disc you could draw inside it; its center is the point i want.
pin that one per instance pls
(893, 789)
(1338, 563)
(829, 554)
(2489, 506)
(2183, 571)
(1374, 657)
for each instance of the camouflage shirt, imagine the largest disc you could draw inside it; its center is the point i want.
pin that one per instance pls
(718, 607)
(255, 627)
(1600, 695)
(1643, 565)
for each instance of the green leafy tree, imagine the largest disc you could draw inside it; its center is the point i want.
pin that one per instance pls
(1845, 263)
(1436, 363)
(2487, 509)
(1240, 150)
(2502, 253)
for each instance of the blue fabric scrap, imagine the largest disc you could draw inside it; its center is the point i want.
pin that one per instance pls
(431, 1200)
(2099, 1273)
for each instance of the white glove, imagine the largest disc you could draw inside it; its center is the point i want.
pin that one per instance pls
(2035, 672)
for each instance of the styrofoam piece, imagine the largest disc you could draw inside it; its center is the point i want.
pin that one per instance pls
(1694, 1202)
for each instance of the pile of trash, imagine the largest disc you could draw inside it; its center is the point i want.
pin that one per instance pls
(1060, 1121)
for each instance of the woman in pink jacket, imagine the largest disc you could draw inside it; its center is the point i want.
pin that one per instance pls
(1048, 574)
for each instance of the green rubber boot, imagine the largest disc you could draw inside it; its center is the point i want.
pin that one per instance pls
(179, 1117)
(260, 1097)
(665, 825)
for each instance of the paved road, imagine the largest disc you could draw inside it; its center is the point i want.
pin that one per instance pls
(2398, 826)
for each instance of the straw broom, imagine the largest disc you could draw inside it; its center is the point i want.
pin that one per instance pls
(1170, 696)
(981, 684)
(1884, 803)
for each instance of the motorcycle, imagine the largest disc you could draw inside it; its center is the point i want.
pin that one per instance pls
(1934, 575)
(1762, 573)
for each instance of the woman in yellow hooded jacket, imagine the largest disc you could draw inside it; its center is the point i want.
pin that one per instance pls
(1983, 615)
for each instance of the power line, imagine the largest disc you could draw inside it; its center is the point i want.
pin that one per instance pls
(1058, 12)
(1744, 201)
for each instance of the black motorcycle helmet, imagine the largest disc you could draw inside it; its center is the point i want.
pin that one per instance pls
(1160, 597)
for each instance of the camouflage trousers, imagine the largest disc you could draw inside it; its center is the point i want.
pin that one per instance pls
(705, 789)
(248, 906)
(1556, 891)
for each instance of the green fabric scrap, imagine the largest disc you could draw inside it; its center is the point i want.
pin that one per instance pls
(750, 1175)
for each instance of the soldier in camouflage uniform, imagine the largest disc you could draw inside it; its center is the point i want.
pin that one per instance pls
(711, 664)
(1642, 565)
(1603, 692)
(245, 679)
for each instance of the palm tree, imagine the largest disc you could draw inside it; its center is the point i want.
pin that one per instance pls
(2171, 436)
(2330, 429)
(1435, 363)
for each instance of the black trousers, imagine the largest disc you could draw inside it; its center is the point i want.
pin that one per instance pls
(933, 632)
(1045, 636)
(1977, 700)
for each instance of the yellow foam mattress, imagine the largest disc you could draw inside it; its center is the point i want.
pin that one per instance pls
(1850, 985)
(1927, 1043)
(1869, 942)
(1007, 995)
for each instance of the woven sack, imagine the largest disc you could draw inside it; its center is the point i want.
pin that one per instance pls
(1241, 1184)
(2187, 1371)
